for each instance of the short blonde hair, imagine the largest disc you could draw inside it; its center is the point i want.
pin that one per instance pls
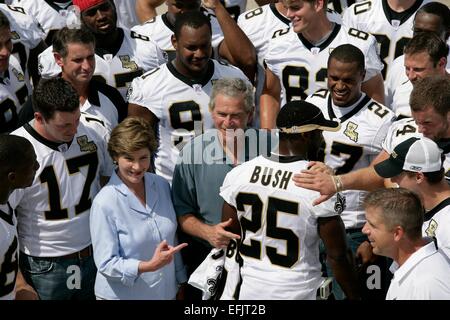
(131, 135)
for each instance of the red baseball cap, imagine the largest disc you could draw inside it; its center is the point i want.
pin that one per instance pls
(86, 4)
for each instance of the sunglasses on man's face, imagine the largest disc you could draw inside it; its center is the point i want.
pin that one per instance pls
(102, 7)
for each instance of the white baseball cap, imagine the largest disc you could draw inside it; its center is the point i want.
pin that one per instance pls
(414, 154)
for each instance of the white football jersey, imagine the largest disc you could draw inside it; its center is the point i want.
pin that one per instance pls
(400, 99)
(126, 13)
(363, 128)
(437, 224)
(161, 30)
(8, 252)
(279, 240)
(13, 95)
(106, 103)
(50, 16)
(26, 34)
(400, 131)
(180, 104)
(397, 76)
(302, 67)
(53, 213)
(404, 129)
(133, 55)
(259, 25)
(392, 35)
(341, 5)
(235, 7)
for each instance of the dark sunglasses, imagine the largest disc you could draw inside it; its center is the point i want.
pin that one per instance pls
(105, 6)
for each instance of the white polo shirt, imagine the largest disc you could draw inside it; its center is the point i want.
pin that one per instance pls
(424, 276)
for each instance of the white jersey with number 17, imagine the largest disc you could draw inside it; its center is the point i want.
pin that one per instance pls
(53, 213)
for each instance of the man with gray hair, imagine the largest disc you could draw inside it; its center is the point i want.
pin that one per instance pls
(202, 166)
(174, 98)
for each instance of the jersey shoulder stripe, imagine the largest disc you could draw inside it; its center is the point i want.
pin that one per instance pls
(111, 93)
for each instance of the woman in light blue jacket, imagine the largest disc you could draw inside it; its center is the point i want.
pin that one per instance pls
(133, 223)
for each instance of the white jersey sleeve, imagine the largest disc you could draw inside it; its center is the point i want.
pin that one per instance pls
(47, 64)
(217, 34)
(259, 25)
(372, 58)
(126, 13)
(395, 78)
(158, 29)
(8, 252)
(392, 35)
(144, 94)
(398, 132)
(148, 54)
(13, 95)
(49, 16)
(400, 100)
(235, 7)
(137, 53)
(368, 45)
(24, 28)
